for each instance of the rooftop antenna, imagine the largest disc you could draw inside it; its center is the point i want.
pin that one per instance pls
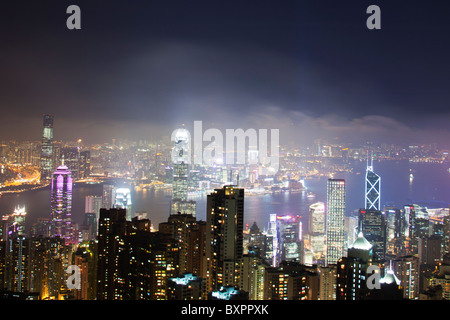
(369, 167)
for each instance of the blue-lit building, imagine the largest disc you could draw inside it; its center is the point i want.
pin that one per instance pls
(186, 287)
(228, 293)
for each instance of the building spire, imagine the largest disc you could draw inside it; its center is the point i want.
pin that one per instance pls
(369, 164)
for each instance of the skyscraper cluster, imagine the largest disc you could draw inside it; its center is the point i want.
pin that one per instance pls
(121, 256)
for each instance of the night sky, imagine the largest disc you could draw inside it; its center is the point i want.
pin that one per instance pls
(138, 69)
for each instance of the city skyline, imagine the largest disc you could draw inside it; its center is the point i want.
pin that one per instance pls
(256, 150)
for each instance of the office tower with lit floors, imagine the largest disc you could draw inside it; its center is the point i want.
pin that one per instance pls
(71, 156)
(47, 148)
(61, 205)
(111, 231)
(224, 236)
(335, 238)
(372, 223)
(316, 229)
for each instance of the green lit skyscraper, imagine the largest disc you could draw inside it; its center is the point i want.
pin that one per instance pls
(47, 148)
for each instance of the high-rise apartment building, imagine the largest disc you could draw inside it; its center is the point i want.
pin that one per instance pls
(406, 268)
(251, 276)
(180, 176)
(224, 236)
(328, 278)
(291, 281)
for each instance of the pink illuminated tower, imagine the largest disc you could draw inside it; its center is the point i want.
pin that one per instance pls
(61, 204)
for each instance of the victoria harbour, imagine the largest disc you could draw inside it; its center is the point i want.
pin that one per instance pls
(428, 186)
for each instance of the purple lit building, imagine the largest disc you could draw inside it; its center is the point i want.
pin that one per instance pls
(61, 205)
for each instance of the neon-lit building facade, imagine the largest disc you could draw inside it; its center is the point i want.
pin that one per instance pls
(61, 204)
(317, 229)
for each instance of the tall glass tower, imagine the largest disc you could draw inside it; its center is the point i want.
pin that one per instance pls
(372, 188)
(47, 148)
(181, 158)
(61, 204)
(335, 220)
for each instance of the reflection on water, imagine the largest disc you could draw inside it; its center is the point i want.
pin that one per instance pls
(429, 187)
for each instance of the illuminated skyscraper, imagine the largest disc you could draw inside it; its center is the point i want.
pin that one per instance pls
(123, 200)
(84, 164)
(291, 281)
(61, 204)
(406, 268)
(180, 160)
(224, 236)
(317, 229)
(372, 223)
(47, 148)
(335, 220)
(372, 188)
(179, 227)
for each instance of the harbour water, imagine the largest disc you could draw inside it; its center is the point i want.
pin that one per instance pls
(428, 186)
